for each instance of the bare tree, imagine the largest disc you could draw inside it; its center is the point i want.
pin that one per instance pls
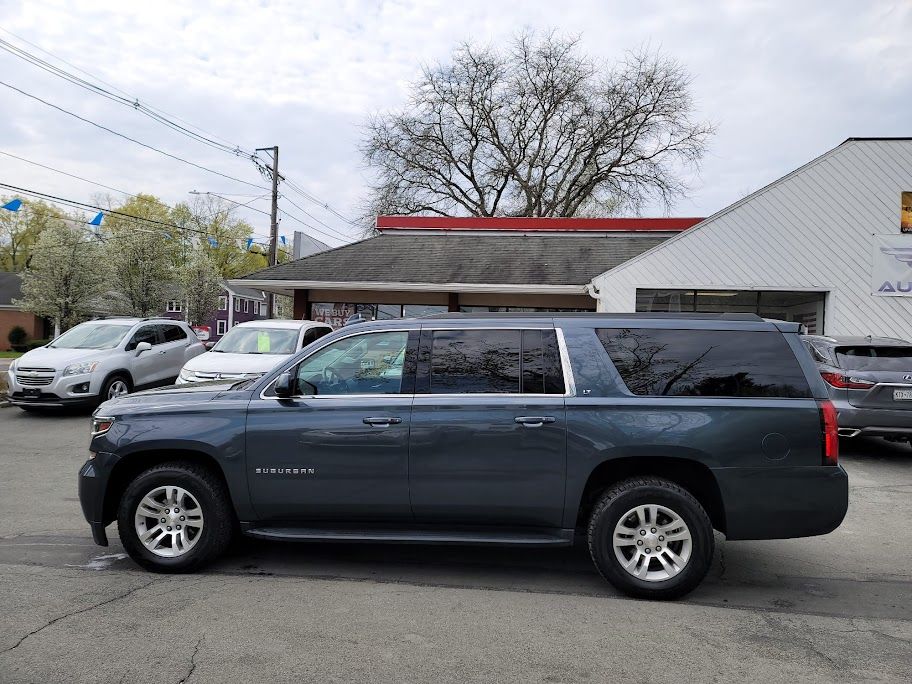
(536, 130)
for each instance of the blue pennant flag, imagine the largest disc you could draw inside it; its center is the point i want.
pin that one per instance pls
(97, 220)
(282, 239)
(213, 242)
(249, 243)
(12, 205)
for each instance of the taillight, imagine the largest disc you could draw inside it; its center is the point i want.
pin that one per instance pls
(830, 432)
(845, 382)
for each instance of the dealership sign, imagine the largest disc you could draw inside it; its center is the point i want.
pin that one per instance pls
(891, 266)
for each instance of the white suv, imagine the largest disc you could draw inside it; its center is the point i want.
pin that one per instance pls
(101, 360)
(250, 349)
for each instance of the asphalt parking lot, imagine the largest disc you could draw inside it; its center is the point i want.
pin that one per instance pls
(819, 609)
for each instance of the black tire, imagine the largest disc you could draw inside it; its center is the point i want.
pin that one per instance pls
(218, 516)
(616, 502)
(106, 388)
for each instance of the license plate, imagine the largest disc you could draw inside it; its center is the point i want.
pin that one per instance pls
(32, 393)
(902, 395)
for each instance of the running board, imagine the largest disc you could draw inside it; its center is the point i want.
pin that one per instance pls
(406, 536)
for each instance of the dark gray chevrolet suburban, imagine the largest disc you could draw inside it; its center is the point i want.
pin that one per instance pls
(641, 433)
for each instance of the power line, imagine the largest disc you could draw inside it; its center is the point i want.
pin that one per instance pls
(111, 212)
(128, 194)
(131, 103)
(316, 200)
(307, 213)
(133, 140)
(127, 96)
(71, 175)
(158, 115)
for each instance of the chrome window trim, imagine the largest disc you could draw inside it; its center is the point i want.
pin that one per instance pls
(569, 381)
(566, 369)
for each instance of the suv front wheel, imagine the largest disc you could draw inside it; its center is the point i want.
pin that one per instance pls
(175, 517)
(651, 538)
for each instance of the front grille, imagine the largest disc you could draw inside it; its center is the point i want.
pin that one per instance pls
(32, 381)
(22, 369)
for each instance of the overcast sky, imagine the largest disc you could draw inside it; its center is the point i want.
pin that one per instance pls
(784, 82)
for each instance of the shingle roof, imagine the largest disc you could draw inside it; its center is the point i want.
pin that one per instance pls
(462, 258)
(10, 287)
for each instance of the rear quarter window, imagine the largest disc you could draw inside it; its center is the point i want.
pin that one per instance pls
(704, 363)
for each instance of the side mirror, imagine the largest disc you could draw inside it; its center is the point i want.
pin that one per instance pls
(142, 346)
(284, 385)
(208, 345)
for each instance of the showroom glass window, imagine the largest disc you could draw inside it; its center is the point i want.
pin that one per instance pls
(704, 363)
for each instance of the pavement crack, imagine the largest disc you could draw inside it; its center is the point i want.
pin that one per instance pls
(192, 661)
(57, 619)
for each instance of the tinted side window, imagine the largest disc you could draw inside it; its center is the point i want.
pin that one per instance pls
(475, 361)
(147, 333)
(541, 367)
(705, 363)
(173, 333)
(313, 335)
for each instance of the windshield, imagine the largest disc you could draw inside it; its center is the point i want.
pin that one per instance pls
(875, 358)
(92, 336)
(258, 341)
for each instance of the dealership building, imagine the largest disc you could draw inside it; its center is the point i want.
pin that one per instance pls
(828, 245)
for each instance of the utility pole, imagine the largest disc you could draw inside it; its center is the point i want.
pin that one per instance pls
(274, 227)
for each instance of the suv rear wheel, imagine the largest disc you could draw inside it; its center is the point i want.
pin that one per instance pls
(651, 538)
(175, 517)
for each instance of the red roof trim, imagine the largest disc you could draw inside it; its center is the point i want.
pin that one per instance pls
(533, 224)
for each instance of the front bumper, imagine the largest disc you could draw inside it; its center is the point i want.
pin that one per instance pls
(783, 502)
(59, 390)
(93, 487)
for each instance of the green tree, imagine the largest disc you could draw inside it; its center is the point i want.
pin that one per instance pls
(207, 216)
(200, 284)
(139, 256)
(64, 277)
(19, 231)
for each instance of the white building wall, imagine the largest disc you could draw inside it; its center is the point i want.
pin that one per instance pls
(810, 230)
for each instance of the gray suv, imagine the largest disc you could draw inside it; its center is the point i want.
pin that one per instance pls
(637, 434)
(100, 360)
(869, 380)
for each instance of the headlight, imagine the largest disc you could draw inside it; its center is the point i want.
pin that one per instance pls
(12, 366)
(101, 425)
(80, 368)
(187, 375)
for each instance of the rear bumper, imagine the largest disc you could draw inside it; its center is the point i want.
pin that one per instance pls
(784, 502)
(874, 422)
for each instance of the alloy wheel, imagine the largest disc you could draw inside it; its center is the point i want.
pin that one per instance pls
(118, 388)
(652, 543)
(168, 521)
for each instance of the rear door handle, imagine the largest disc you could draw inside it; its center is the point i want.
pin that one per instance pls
(382, 421)
(533, 421)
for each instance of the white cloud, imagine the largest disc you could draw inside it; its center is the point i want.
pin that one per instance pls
(784, 82)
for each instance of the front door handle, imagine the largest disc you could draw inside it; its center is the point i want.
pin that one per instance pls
(533, 421)
(382, 421)
(162, 351)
